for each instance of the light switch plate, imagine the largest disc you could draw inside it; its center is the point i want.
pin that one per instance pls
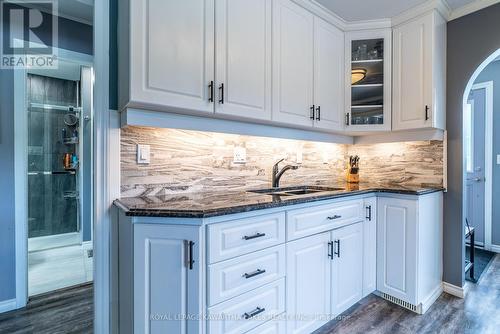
(143, 154)
(240, 155)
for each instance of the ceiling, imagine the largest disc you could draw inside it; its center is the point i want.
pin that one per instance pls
(359, 10)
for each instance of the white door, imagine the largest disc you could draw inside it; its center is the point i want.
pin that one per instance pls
(166, 279)
(347, 268)
(172, 54)
(370, 247)
(308, 283)
(292, 64)
(397, 248)
(328, 75)
(243, 55)
(412, 74)
(475, 156)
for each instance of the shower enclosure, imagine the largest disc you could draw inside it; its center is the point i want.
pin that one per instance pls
(59, 189)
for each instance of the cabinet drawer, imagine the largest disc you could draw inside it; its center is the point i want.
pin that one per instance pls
(242, 236)
(249, 310)
(235, 276)
(317, 219)
(270, 327)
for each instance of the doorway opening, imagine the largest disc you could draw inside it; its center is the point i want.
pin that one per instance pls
(481, 170)
(59, 188)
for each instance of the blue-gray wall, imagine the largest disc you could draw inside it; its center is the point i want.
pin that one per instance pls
(72, 36)
(492, 73)
(471, 39)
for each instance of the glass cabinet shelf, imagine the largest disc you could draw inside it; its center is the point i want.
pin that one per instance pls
(369, 74)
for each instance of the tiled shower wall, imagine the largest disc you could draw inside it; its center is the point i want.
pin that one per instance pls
(192, 161)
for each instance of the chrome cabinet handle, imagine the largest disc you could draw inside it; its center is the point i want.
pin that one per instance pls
(318, 113)
(251, 314)
(255, 273)
(426, 113)
(338, 248)
(475, 179)
(369, 216)
(334, 217)
(312, 112)
(257, 235)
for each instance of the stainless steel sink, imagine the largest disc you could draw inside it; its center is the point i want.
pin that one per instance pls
(295, 191)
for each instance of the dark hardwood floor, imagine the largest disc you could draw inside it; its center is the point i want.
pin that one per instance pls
(478, 313)
(71, 311)
(66, 311)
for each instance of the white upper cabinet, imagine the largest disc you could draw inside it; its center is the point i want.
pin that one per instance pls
(166, 54)
(243, 56)
(419, 94)
(293, 69)
(328, 75)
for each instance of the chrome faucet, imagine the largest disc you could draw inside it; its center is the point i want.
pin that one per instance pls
(277, 174)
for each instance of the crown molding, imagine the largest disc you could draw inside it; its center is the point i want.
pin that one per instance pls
(440, 5)
(321, 11)
(471, 8)
(368, 24)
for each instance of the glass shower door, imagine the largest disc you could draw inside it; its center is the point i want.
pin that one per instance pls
(53, 121)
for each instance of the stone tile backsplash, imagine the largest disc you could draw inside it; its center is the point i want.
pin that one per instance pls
(191, 161)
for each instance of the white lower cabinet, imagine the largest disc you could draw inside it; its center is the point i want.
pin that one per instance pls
(166, 288)
(249, 310)
(347, 267)
(308, 283)
(409, 249)
(263, 273)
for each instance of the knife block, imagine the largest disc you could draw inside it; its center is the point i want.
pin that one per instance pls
(351, 177)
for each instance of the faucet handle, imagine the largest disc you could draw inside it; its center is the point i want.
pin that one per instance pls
(277, 163)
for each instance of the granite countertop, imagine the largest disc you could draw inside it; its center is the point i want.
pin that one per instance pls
(211, 204)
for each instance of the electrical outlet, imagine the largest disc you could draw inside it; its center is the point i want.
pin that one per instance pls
(240, 155)
(143, 154)
(498, 159)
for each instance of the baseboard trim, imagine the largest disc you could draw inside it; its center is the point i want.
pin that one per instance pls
(495, 248)
(8, 305)
(454, 290)
(427, 303)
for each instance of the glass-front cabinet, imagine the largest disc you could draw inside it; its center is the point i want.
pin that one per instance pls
(368, 76)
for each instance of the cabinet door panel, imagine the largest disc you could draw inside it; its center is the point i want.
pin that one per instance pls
(308, 283)
(292, 63)
(328, 75)
(370, 247)
(163, 281)
(397, 248)
(244, 57)
(412, 73)
(347, 269)
(172, 54)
